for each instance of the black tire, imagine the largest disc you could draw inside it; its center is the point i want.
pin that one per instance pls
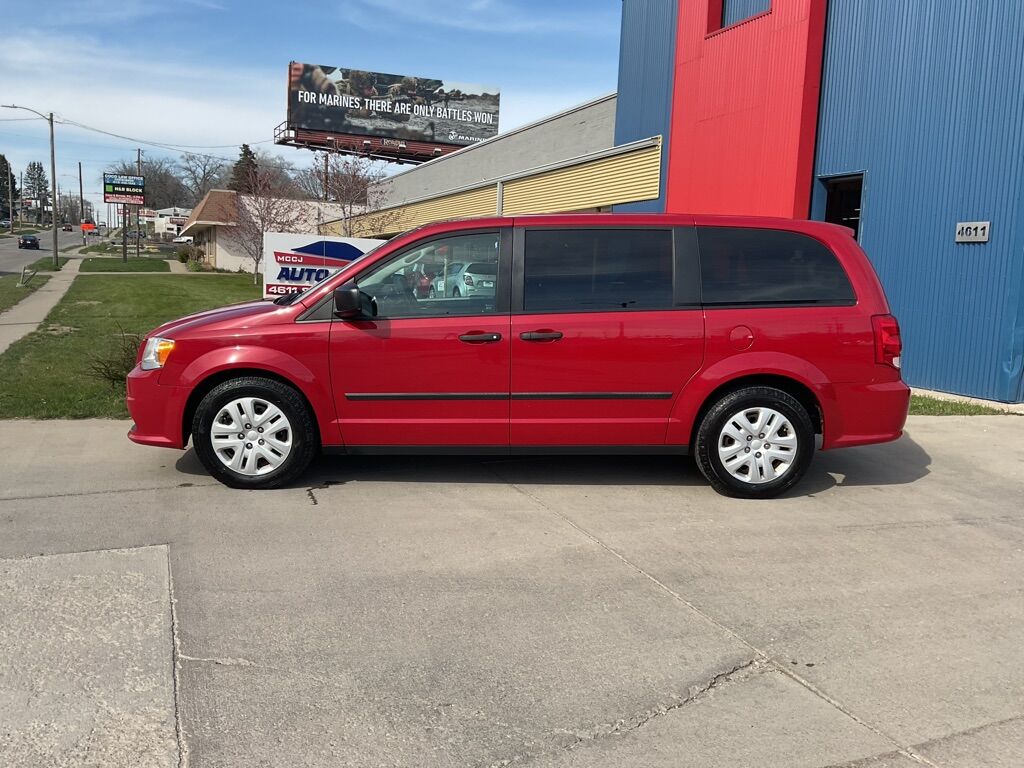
(304, 437)
(431, 293)
(456, 293)
(721, 412)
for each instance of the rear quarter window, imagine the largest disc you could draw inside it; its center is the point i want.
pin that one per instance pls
(769, 267)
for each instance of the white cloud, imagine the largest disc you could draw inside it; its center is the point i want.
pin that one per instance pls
(490, 16)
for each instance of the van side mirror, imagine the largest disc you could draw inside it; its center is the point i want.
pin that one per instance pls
(348, 302)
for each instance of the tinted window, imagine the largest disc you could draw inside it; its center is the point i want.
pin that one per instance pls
(597, 269)
(425, 281)
(767, 266)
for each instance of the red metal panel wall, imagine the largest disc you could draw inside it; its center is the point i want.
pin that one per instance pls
(745, 109)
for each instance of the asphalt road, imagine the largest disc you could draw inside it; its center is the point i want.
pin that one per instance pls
(12, 259)
(597, 612)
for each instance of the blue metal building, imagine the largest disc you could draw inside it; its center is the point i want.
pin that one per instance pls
(902, 119)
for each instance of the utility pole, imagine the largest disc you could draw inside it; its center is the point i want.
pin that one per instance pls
(53, 191)
(138, 208)
(21, 201)
(10, 195)
(81, 202)
(327, 174)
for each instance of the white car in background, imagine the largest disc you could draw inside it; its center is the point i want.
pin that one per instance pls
(182, 239)
(473, 278)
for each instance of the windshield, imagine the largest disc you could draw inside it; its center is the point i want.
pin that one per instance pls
(291, 298)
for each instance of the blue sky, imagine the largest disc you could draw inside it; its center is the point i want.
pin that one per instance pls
(213, 72)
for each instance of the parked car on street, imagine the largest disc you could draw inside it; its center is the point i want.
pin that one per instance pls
(28, 241)
(67, 228)
(5, 223)
(742, 341)
(182, 239)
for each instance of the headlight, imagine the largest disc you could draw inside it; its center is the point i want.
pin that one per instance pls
(156, 353)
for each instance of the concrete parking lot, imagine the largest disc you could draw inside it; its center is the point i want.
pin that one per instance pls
(490, 612)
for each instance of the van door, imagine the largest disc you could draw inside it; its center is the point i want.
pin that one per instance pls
(606, 330)
(428, 370)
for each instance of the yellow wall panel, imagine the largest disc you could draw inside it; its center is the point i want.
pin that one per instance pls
(475, 202)
(622, 178)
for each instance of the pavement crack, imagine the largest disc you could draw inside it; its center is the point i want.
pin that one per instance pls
(226, 661)
(179, 729)
(640, 719)
(312, 496)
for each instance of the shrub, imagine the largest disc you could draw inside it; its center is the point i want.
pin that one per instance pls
(119, 360)
(194, 265)
(189, 252)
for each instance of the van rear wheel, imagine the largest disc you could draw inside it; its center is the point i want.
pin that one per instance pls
(755, 443)
(253, 432)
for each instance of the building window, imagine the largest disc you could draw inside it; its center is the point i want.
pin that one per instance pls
(735, 11)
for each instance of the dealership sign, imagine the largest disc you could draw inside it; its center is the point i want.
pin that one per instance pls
(398, 108)
(130, 190)
(292, 263)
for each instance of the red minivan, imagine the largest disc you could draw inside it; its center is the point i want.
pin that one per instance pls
(738, 339)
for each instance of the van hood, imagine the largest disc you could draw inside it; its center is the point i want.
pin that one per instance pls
(235, 316)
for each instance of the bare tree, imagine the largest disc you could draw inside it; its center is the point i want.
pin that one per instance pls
(164, 186)
(265, 208)
(353, 185)
(200, 174)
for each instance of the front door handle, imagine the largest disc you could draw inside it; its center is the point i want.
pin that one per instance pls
(541, 335)
(480, 338)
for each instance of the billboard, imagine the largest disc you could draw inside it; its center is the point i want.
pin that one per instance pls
(353, 102)
(130, 190)
(292, 263)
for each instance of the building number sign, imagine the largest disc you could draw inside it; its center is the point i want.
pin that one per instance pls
(973, 231)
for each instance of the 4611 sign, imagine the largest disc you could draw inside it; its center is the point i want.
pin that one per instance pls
(973, 231)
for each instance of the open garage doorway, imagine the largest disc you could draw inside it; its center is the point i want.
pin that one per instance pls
(843, 201)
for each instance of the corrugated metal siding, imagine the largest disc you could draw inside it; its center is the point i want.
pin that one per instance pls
(646, 73)
(475, 202)
(925, 96)
(744, 112)
(613, 180)
(734, 11)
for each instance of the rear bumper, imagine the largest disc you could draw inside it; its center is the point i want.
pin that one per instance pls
(156, 409)
(866, 414)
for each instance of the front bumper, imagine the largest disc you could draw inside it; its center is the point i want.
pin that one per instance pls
(156, 409)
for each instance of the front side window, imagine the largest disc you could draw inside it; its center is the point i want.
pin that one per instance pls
(751, 267)
(569, 270)
(449, 276)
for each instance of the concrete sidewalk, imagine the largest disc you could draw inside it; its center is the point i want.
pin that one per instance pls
(550, 612)
(25, 316)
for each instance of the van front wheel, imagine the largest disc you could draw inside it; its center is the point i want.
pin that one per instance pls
(254, 433)
(755, 443)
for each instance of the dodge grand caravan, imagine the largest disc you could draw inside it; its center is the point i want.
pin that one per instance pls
(747, 342)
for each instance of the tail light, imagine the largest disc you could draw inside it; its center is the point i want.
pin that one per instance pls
(888, 345)
(468, 279)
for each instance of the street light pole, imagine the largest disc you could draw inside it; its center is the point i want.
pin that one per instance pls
(53, 192)
(53, 176)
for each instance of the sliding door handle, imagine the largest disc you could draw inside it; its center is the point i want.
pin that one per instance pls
(480, 338)
(541, 335)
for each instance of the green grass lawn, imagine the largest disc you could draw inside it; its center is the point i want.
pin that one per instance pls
(105, 248)
(920, 405)
(140, 264)
(45, 263)
(46, 374)
(11, 294)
